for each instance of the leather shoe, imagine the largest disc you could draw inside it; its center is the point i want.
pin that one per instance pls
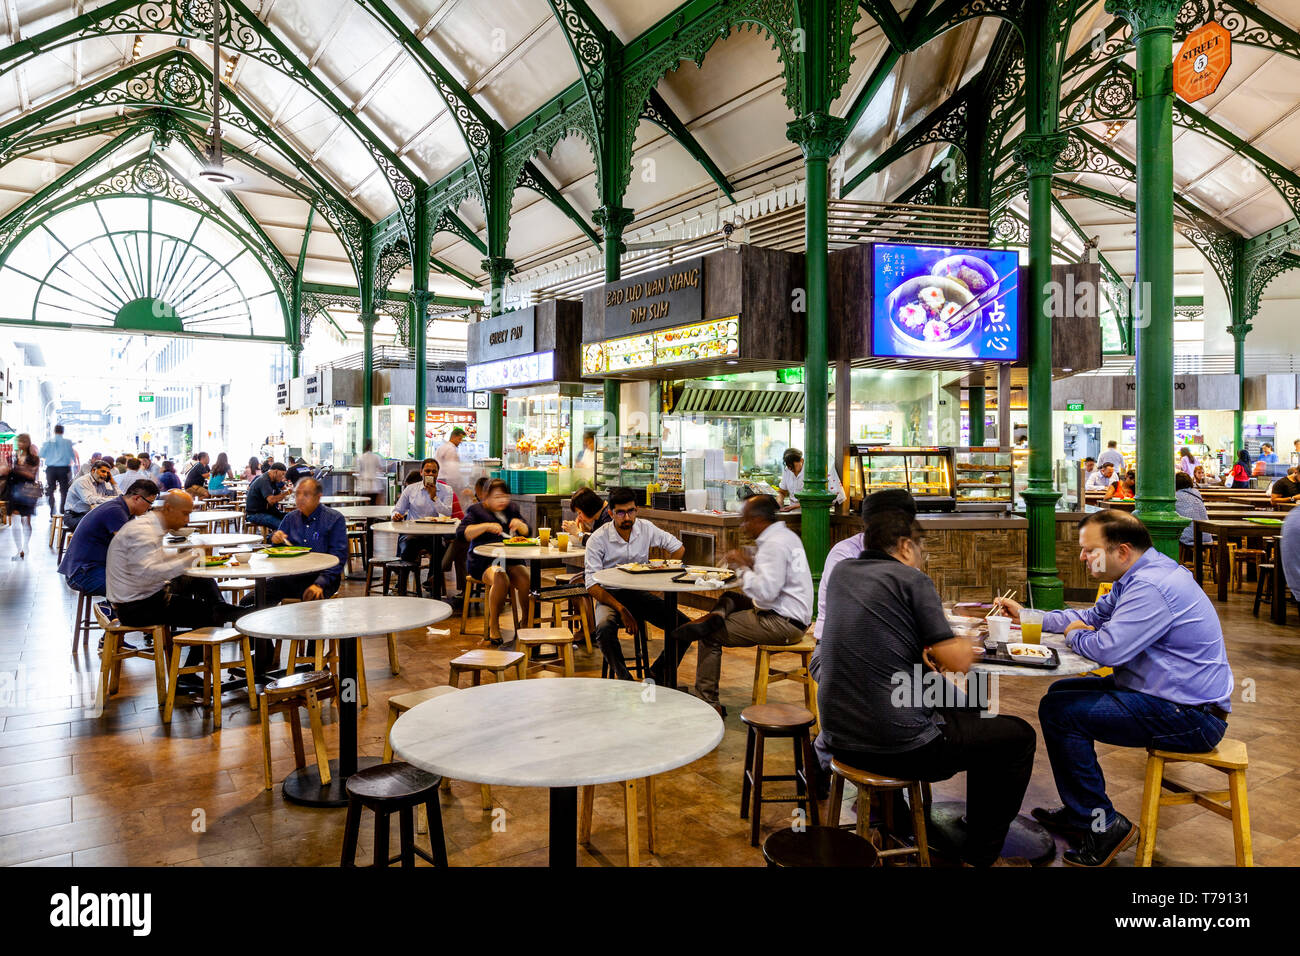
(1058, 821)
(1099, 849)
(701, 627)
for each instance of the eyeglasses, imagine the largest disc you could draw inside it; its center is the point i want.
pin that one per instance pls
(624, 512)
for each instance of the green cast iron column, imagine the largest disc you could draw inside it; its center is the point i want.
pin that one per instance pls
(819, 135)
(1239, 329)
(498, 269)
(975, 412)
(368, 320)
(295, 360)
(613, 220)
(1152, 22)
(419, 315)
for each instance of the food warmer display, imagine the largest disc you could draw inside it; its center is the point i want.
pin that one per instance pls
(925, 472)
(983, 479)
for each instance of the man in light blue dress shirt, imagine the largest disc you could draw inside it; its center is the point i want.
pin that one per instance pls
(58, 455)
(1171, 687)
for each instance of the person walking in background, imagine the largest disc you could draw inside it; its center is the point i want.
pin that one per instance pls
(372, 477)
(58, 454)
(448, 456)
(221, 473)
(1112, 454)
(21, 492)
(1187, 463)
(1240, 477)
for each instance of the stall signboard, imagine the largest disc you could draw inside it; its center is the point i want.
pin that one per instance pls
(702, 341)
(667, 297)
(1202, 61)
(509, 372)
(282, 396)
(311, 390)
(512, 333)
(449, 388)
(1187, 423)
(1129, 430)
(945, 303)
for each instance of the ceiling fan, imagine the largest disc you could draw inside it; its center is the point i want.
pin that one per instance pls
(215, 172)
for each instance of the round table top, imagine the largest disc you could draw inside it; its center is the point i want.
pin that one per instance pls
(261, 566)
(415, 527)
(659, 581)
(364, 511)
(531, 553)
(343, 618)
(1072, 664)
(344, 499)
(212, 517)
(216, 540)
(569, 732)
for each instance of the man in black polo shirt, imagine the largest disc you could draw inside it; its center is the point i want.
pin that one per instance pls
(198, 475)
(1286, 488)
(264, 495)
(885, 628)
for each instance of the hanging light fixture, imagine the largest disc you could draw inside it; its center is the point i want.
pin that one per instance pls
(215, 171)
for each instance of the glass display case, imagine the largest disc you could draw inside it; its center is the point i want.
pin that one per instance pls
(983, 478)
(925, 472)
(1019, 474)
(627, 461)
(545, 426)
(1068, 480)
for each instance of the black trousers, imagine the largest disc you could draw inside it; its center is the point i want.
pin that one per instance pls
(997, 754)
(646, 608)
(414, 546)
(62, 476)
(185, 602)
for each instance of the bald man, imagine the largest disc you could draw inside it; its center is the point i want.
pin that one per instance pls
(147, 585)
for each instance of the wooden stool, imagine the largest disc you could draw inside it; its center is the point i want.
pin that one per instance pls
(475, 593)
(765, 674)
(530, 638)
(83, 619)
(324, 656)
(1230, 758)
(640, 664)
(372, 565)
(114, 653)
(64, 535)
(236, 587)
(631, 811)
(56, 527)
(866, 783)
(478, 661)
(211, 639)
(356, 547)
(818, 847)
(394, 788)
(776, 720)
(399, 705)
(1264, 572)
(403, 570)
(1240, 559)
(284, 696)
(576, 610)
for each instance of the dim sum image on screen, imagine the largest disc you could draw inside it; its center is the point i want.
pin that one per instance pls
(928, 314)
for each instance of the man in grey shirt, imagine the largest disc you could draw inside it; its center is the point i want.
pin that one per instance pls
(885, 627)
(1113, 455)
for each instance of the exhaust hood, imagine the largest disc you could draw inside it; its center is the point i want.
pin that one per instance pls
(734, 399)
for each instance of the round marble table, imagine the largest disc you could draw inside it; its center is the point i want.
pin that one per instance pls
(209, 518)
(660, 581)
(1027, 837)
(370, 514)
(259, 568)
(560, 734)
(438, 530)
(344, 620)
(344, 499)
(537, 557)
(209, 541)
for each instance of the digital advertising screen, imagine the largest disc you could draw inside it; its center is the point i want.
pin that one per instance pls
(939, 302)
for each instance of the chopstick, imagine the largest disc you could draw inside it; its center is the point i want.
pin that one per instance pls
(1010, 594)
(978, 302)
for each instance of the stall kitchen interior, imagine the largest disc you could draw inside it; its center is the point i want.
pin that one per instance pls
(673, 433)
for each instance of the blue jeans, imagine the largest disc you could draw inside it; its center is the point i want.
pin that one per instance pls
(1078, 711)
(265, 520)
(90, 580)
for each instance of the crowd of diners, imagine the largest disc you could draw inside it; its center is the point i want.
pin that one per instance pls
(879, 615)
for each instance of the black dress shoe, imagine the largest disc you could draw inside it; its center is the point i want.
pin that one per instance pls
(701, 627)
(1098, 849)
(1058, 821)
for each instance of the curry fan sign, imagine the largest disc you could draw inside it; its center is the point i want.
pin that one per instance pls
(946, 303)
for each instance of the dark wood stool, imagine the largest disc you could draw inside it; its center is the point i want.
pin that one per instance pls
(83, 621)
(403, 570)
(1265, 585)
(818, 846)
(776, 720)
(640, 663)
(867, 782)
(394, 788)
(373, 565)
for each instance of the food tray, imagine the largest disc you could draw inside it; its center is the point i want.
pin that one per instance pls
(689, 576)
(1000, 655)
(649, 568)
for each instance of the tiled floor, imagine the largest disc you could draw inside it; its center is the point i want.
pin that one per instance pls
(122, 789)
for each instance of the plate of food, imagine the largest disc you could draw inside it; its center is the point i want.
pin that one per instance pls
(702, 574)
(518, 541)
(1022, 655)
(650, 567)
(285, 551)
(437, 519)
(215, 562)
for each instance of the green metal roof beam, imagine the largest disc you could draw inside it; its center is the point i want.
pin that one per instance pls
(325, 288)
(450, 222)
(534, 179)
(887, 18)
(449, 270)
(928, 130)
(657, 111)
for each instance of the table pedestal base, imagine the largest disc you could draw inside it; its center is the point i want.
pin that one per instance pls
(304, 786)
(564, 828)
(946, 828)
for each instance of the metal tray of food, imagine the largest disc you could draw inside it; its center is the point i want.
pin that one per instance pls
(653, 566)
(1016, 654)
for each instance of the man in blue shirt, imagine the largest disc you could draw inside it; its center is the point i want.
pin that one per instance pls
(86, 559)
(428, 498)
(1290, 560)
(263, 496)
(1171, 686)
(58, 455)
(311, 525)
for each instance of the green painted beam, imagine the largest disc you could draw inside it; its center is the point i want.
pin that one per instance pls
(461, 228)
(448, 270)
(928, 130)
(661, 114)
(534, 179)
(325, 288)
(890, 23)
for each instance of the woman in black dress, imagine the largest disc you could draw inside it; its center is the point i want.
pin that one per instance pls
(489, 522)
(21, 493)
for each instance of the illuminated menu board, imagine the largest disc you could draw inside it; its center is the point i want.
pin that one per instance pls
(687, 343)
(521, 370)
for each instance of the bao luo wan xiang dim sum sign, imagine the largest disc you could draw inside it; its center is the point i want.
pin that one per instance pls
(671, 296)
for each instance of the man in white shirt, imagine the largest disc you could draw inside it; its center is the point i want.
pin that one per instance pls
(448, 457)
(1102, 478)
(792, 481)
(774, 607)
(625, 540)
(1112, 454)
(146, 584)
(371, 475)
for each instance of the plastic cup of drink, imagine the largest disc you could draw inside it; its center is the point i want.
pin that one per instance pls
(1031, 626)
(1000, 629)
(544, 537)
(562, 541)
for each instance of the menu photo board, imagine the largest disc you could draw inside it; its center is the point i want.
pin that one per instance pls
(509, 372)
(699, 342)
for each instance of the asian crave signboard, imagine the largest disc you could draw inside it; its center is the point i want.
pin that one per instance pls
(1202, 62)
